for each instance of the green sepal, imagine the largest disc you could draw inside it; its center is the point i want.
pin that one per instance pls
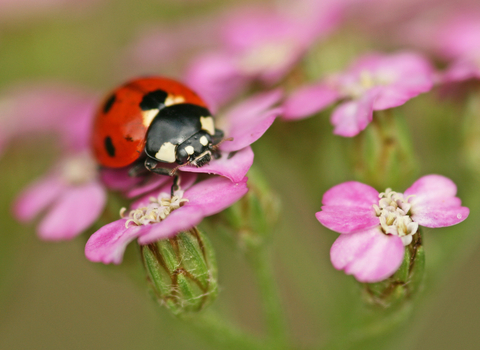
(182, 271)
(406, 281)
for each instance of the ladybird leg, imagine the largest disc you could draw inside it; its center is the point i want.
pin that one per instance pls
(151, 165)
(137, 169)
(175, 185)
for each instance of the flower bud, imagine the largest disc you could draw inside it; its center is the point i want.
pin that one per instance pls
(404, 283)
(182, 271)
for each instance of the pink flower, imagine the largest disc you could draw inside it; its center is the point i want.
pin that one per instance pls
(374, 82)
(162, 216)
(260, 44)
(375, 227)
(71, 194)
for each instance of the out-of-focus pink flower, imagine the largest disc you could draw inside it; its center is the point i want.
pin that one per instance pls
(47, 107)
(71, 195)
(375, 227)
(374, 82)
(163, 216)
(260, 44)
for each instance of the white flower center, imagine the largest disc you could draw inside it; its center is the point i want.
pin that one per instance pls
(267, 57)
(367, 80)
(79, 169)
(159, 208)
(393, 210)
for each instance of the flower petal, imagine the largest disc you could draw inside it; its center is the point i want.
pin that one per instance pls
(205, 198)
(73, 212)
(348, 207)
(347, 219)
(370, 256)
(431, 189)
(434, 203)
(248, 121)
(349, 118)
(118, 179)
(108, 244)
(233, 166)
(37, 197)
(181, 219)
(215, 194)
(351, 194)
(440, 215)
(309, 100)
(216, 78)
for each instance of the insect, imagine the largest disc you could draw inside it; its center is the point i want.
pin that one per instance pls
(150, 121)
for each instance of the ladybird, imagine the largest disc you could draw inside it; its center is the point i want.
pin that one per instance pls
(154, 120)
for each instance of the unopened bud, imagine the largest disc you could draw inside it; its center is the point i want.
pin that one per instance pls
(182, 271)
(404, 283)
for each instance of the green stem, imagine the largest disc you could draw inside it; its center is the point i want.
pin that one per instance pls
(260, 260)
(213, 327)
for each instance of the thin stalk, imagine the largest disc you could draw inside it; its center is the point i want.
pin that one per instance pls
(260, 261)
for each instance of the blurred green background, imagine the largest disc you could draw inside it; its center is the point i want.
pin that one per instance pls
(51, 297)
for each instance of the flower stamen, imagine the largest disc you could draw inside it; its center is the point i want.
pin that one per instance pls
(393, 211)
(158, 210)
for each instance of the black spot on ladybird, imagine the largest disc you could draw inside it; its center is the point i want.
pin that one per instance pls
(153, 100)
(109, 146)
(109, 103)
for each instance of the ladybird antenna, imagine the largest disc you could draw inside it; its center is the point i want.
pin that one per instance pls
(215, 147)
(174, 170)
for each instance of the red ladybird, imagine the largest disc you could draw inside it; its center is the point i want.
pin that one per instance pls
(155, 120)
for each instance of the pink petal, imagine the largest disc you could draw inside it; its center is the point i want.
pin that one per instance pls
(434, 203)
(460, 70)
(348, 207)
(118, 179)
(73, 212)
(216, 78)
(431, 189)
(248, 121)
(439, 215)
(181, 219)
(205, 198)
(234, 168)
(152, 182)
(347, 219)
(108, 244)
(215, 194)
(309, 100)
(351, 194)
(37, 197)
(370, 256)
(351, 117)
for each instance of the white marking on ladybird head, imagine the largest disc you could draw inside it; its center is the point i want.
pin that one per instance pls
(190, 150)
(204, 140)
(208, 125)
(166, 153)
(148, 116)
(174, 100)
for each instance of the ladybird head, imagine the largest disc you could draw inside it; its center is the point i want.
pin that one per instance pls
(195, 150)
